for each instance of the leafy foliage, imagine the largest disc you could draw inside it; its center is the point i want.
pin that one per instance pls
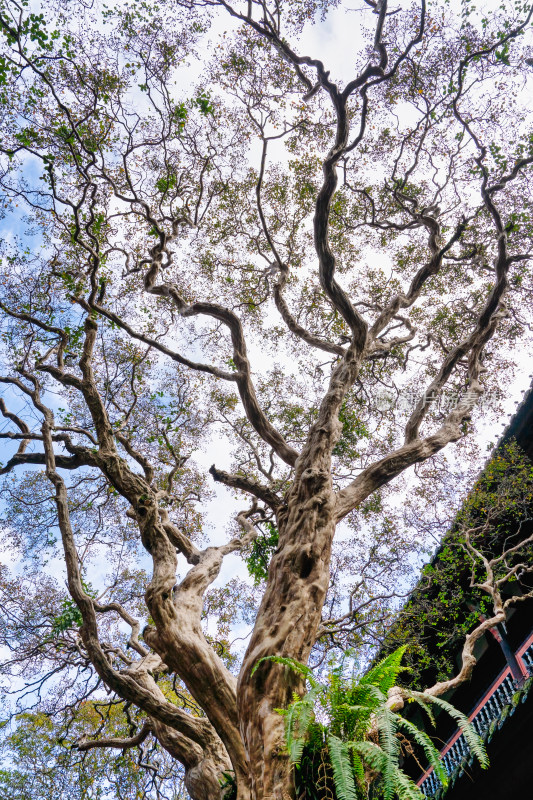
(315, 270)
(361, 737)
(69, 617)
(445, 606)
(261, 552)
(39, 762)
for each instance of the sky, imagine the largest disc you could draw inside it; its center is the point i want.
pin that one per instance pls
(335, 41)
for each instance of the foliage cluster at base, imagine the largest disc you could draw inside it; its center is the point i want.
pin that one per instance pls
(346, 742)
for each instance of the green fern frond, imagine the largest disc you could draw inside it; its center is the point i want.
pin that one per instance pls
(342, 769)
(474, 741)
(372, 754)
(384, 673)
(299, 717)
(290, 663)
(387, 724)
(358, 768)
(368, 694)
(379, 761)
(422, 740)
(406, 788)
(394, 779)
(424, 706)
(355, 707)
(349, 707)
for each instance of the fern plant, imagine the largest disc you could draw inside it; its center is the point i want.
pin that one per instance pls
(362, 734)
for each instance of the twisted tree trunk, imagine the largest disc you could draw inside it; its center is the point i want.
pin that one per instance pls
(291, 608)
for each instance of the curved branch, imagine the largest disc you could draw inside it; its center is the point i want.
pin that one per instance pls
(294, 326)
(246, 485)
(63, 462)
(181, 542)
(242, 377)
(141, 337)
(326, 258)
(125, 685)
(387, 468)
(119, 744)
(134, 624)
(468, 660)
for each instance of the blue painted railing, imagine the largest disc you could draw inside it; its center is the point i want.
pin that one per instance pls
(498, 703)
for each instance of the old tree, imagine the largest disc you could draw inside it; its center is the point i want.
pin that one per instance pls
(218, 250)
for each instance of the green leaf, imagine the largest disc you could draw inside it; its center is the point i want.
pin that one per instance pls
(474, 741)
(297, 721)
(423, 741)
(291, 663)
(339, 754)
(385, 673)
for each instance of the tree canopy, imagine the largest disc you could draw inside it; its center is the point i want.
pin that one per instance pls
(246, 303)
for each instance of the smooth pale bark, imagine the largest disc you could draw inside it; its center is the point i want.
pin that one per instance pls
(179, 640)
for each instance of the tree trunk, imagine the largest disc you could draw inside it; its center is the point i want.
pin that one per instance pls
(286, 625)
(203, 766)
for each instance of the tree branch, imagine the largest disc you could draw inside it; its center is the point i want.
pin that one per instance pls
(120, 744)
(246, 485)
